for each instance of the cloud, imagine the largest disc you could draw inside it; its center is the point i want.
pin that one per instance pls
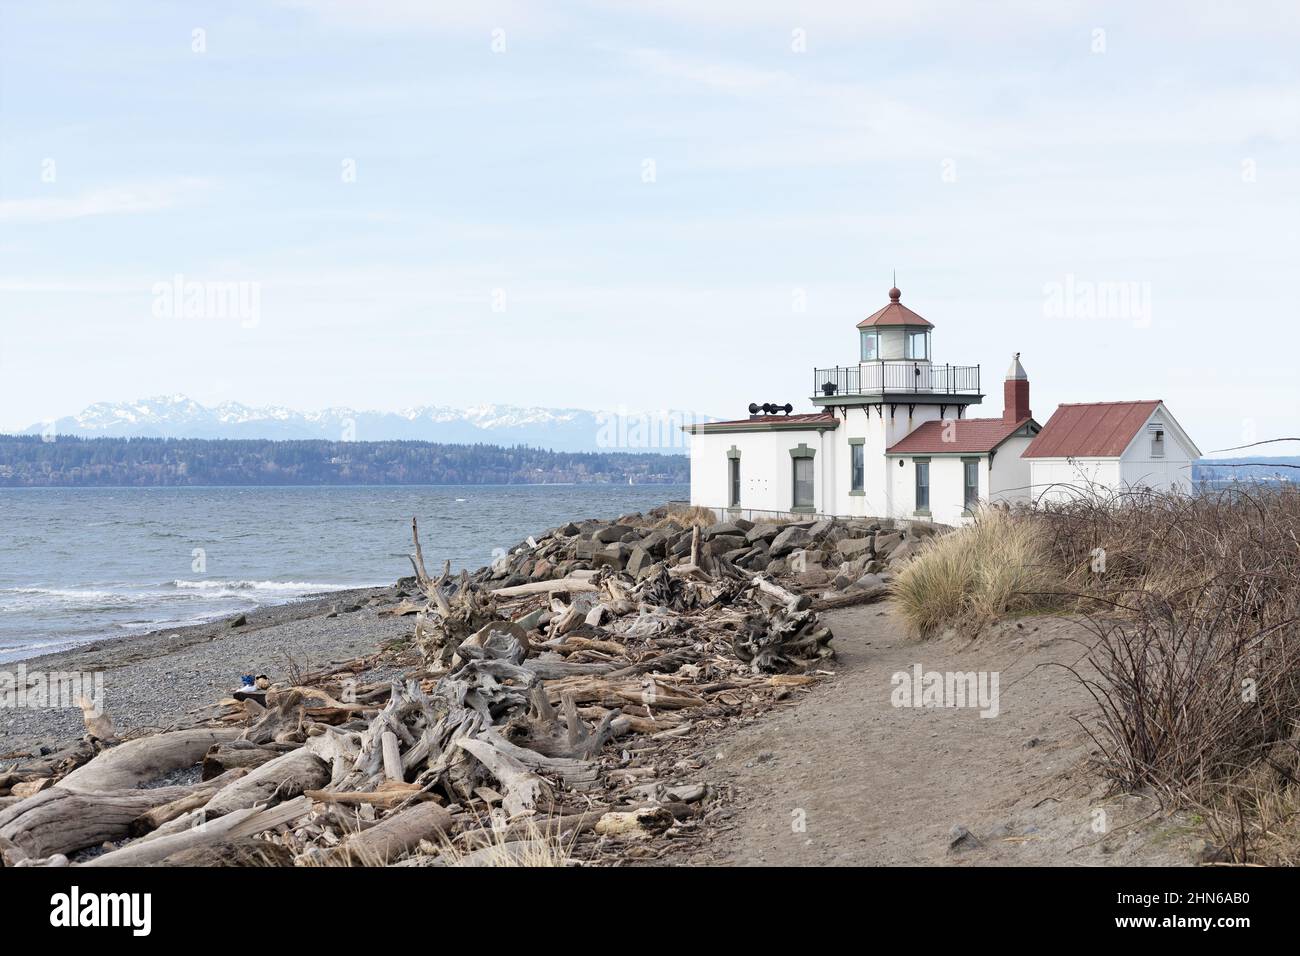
(110, 201)
(441, 17)
(724, 77)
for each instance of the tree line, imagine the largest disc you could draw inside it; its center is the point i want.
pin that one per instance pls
(32, 461)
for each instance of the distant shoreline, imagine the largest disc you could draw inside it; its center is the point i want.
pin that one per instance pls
(456, 484)
(30, 461)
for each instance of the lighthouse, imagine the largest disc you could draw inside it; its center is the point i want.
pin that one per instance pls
(892, 437)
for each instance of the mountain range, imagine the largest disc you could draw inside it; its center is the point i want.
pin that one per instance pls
(559, 429)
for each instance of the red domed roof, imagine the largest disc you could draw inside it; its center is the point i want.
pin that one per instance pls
(895, 314)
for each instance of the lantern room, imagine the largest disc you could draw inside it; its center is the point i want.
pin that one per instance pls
(895, 333)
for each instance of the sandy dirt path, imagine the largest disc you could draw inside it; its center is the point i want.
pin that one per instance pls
(844, 777)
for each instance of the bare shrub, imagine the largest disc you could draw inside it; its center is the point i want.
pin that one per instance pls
(1195, 603)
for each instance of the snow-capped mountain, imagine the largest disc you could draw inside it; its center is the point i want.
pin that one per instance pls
(559, 429)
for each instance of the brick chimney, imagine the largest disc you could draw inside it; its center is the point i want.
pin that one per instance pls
(1015, 393)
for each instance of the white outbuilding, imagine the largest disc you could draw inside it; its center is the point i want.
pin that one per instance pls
(1108, 446)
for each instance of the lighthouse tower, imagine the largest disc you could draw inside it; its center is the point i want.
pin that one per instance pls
(894, 387)
(895, 368)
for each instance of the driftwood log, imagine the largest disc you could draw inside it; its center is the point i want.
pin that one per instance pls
(393, 836)
(62, 820)
(145, 759)
(280, 779)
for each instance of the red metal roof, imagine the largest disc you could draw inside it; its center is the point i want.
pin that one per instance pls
(1093, 430)
(895, 314)
(967, 435)
(814, 418)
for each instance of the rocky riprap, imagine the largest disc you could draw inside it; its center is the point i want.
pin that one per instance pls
(832, 556)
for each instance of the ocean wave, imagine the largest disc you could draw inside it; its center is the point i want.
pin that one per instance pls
(297, 587)
(59, 592)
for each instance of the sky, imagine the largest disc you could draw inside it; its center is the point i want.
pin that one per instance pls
(685, 205)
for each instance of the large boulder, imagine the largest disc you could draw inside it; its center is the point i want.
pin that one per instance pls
(762, 532)
(614, 555)
(723, 543)
(887, 541)
(823, 527)
(613, 532)
(903, 552)
(638, 559)
(725, 527)
(655, 542)
(852, 547)
(789, 540)
(806, 559)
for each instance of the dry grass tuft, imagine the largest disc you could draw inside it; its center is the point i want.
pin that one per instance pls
(966, 579)
(689, 517)
(524, 843)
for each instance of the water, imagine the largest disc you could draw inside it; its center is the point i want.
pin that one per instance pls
(81, 564)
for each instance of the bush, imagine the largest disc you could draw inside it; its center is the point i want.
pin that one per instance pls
(995, 565)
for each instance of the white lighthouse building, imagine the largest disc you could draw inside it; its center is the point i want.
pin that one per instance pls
(891, 438)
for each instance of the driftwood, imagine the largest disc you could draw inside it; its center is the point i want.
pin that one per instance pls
(199, 831)
(282, 721)
(280, 779)
(231, 853)
(237, 754)
(440, 629)
(866, 596)
(62, 820)
(640, 823)
(573, 585)
(512, 711)
(197, 797)
(393, 836)
(144, 759)
(155, 848)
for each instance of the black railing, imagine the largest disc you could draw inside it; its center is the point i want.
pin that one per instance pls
(873, 378)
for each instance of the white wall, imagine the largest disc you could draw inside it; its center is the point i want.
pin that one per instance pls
(878, 433)
(766, 469)
(1010, 478)
(1172, 472)
(947, 487)
(1057, 479)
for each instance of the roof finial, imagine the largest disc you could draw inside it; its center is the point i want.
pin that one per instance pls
(894, 294)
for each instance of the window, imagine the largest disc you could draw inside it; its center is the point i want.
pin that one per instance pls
(856, 468)
(733, 481)
(918, 344)
(1157, 441)
(803, 482)
(971, 470)
(922, 486)
(870, 345)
